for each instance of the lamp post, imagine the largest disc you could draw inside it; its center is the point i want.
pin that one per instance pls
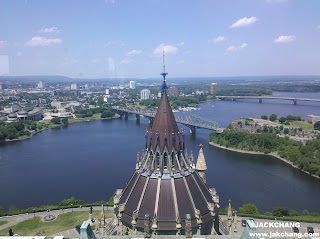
(71, 207)
(34, 212)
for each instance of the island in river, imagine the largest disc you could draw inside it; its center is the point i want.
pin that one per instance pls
(295, 146)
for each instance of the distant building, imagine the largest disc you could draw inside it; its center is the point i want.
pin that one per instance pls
(74, 86)
(213, 88)
(34, 102)
(199, 92)
(174, 91)
(108, 99)
(107, 91)
(159, 94)
(2, 86)
(313, 118)
(145, 94)
(132, 85)
(41, 84)
(42, 101)
(86, 87)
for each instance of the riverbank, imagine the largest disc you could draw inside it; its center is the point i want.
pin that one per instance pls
(52, 126)
(273, 154)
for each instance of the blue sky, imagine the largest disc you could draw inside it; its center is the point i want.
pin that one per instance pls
(125, 38)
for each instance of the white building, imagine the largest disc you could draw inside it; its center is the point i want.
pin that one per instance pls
(41, 84)
(107, 91)
(132, 85)
(313, 118)
(108, 99)
(74, 86)
(145, 94)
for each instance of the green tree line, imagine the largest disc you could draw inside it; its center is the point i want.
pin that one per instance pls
(306, 157)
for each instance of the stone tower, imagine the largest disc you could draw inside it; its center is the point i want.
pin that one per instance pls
(201, 164)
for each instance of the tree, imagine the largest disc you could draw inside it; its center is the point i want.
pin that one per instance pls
(282, 120)
(56, 120)
(248, 209)
(107, 114)
(280, 212)
(264, 117)
(305, 212)
(273, 117)
(65, 120)
(286, 131)
(293, 213)
(317, 125)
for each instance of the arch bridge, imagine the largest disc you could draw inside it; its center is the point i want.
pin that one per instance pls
(191, 121)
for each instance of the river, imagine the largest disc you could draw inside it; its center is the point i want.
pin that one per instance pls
(90, 160)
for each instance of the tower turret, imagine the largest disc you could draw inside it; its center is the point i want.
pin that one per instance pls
(201, 164)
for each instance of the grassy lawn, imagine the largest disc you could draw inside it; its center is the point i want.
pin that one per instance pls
(3, 222)
(303, 124)
(64, 222)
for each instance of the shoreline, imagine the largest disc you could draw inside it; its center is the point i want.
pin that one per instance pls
(56, 126)
(273, 154)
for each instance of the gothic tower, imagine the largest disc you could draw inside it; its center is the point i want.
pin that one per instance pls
(166, 194)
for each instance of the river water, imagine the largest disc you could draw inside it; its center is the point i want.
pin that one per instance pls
(90, 160)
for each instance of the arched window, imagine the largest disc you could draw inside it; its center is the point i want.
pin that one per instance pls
(157, 161)
(172, 160)
(165, 161)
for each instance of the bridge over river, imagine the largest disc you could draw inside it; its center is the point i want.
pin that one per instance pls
(260, 98)
(191, 121)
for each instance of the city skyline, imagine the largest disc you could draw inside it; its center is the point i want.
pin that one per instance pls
(125, 39)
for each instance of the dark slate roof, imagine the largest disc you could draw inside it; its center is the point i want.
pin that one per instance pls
(167, 208)
(165, 131)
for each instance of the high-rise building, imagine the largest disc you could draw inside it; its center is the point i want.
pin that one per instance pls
(74, 86)
(132, 85)
(86, 87)
(167, 194)
(2, 86)
(213, 88)
(145, 94)
(41, 84)
(107, 91)
(174, 91)
(108, 99)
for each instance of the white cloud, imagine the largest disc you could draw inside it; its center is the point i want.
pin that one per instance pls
(49, 30)
(244, 22)
(42, 41)
(219, 39)
(127, 61)
(4, 44)
(235, 48)
(19, 53)
(181, 44)
(284, 39)
(168, 49)
(110, 1)
(134, 52)
(318, 27)
(180, 62)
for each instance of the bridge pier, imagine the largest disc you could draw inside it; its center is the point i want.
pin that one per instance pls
(260, 100)
(151, 122)
(295, 102)
(120, 113)
(126, 115)
(234, 99)
(192, 130)
(137, 117)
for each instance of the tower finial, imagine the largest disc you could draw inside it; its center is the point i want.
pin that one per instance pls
(164, 85)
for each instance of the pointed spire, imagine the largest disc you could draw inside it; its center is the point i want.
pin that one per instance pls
(201, 162)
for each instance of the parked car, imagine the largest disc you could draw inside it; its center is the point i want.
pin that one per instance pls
(310, 230)
(295, 229)
(244, 223)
